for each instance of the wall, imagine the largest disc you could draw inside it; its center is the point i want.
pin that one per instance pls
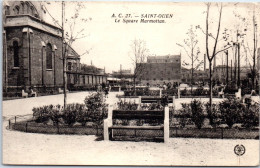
(31, 74)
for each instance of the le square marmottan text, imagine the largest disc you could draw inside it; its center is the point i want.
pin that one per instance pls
(143, 18)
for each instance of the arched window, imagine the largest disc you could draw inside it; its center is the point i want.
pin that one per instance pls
(16, 10)
(32, 11)
(16, 54)
(7, 10)
(27, 8)
(69, 66)
(22, 8)
(48, 56)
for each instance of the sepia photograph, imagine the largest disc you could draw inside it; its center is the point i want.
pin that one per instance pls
(104, 83)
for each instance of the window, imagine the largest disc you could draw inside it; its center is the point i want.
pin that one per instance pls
(27, 8)
(16, 10)
(49, 56)
(7, 10)
(83, 78)
(31, 11)
(69, 66)
(75, 79)
(16, 54)
(22, 8)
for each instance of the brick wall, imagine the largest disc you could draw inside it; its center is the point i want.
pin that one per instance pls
(23, 75)
(157, 73)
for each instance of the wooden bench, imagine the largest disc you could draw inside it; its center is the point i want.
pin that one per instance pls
(155, 99)
(33, 93)
(221, 93)
(24, 94)
(162, 116)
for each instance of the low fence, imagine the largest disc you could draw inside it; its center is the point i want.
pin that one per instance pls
(26, 124)
(217, 133)
(58, 129)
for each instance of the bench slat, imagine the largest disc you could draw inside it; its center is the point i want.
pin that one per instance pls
(117, 114)
(138, 127)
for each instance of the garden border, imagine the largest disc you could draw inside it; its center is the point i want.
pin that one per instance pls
(175, 132)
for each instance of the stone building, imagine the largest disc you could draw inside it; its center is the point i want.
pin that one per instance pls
(198, 76)
(32, 49)
(160, 69)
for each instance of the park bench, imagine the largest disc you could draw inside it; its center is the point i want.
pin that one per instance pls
(156, 99)
(33, 93)
(221, 93)
(162, 116)
(234, 95)
(61, 90)
(24, 94)
(115, 89)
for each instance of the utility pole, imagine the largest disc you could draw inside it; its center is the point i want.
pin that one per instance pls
(231, 73)
(238, 62)
(227, 68)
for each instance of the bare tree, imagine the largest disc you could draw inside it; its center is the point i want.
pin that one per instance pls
(251, 22)
(70, 33)
(139, 51)
(192, 51)
(216, 39)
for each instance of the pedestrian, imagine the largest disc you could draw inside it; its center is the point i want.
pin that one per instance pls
(106, 92)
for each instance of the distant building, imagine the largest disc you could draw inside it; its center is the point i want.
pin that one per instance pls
(220, 73)
(160, 69)
(198, 75)
(122, 76)
(122, 72)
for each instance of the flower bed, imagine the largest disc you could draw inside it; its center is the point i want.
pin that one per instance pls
(142, 92)
(229, 112)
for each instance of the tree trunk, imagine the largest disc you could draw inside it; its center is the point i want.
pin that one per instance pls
(64, 61)
(238, 62)
(227, 69)
(134, 86)
(210, 84)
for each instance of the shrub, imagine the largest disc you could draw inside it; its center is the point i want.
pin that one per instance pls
(152, 106)
(197, 113)
(56, 113)
(171, 92)
(231, 111)
(184, 92)
(97, 109)
(42, 114)
(71, 113)
(185, 111)
(213, 114)
(123, 105)
(251, 116)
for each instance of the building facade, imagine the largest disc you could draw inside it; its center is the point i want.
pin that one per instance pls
(32, 49)
(198, 76)
(159, 70)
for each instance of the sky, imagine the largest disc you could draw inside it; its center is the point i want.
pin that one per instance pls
(109, 43)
